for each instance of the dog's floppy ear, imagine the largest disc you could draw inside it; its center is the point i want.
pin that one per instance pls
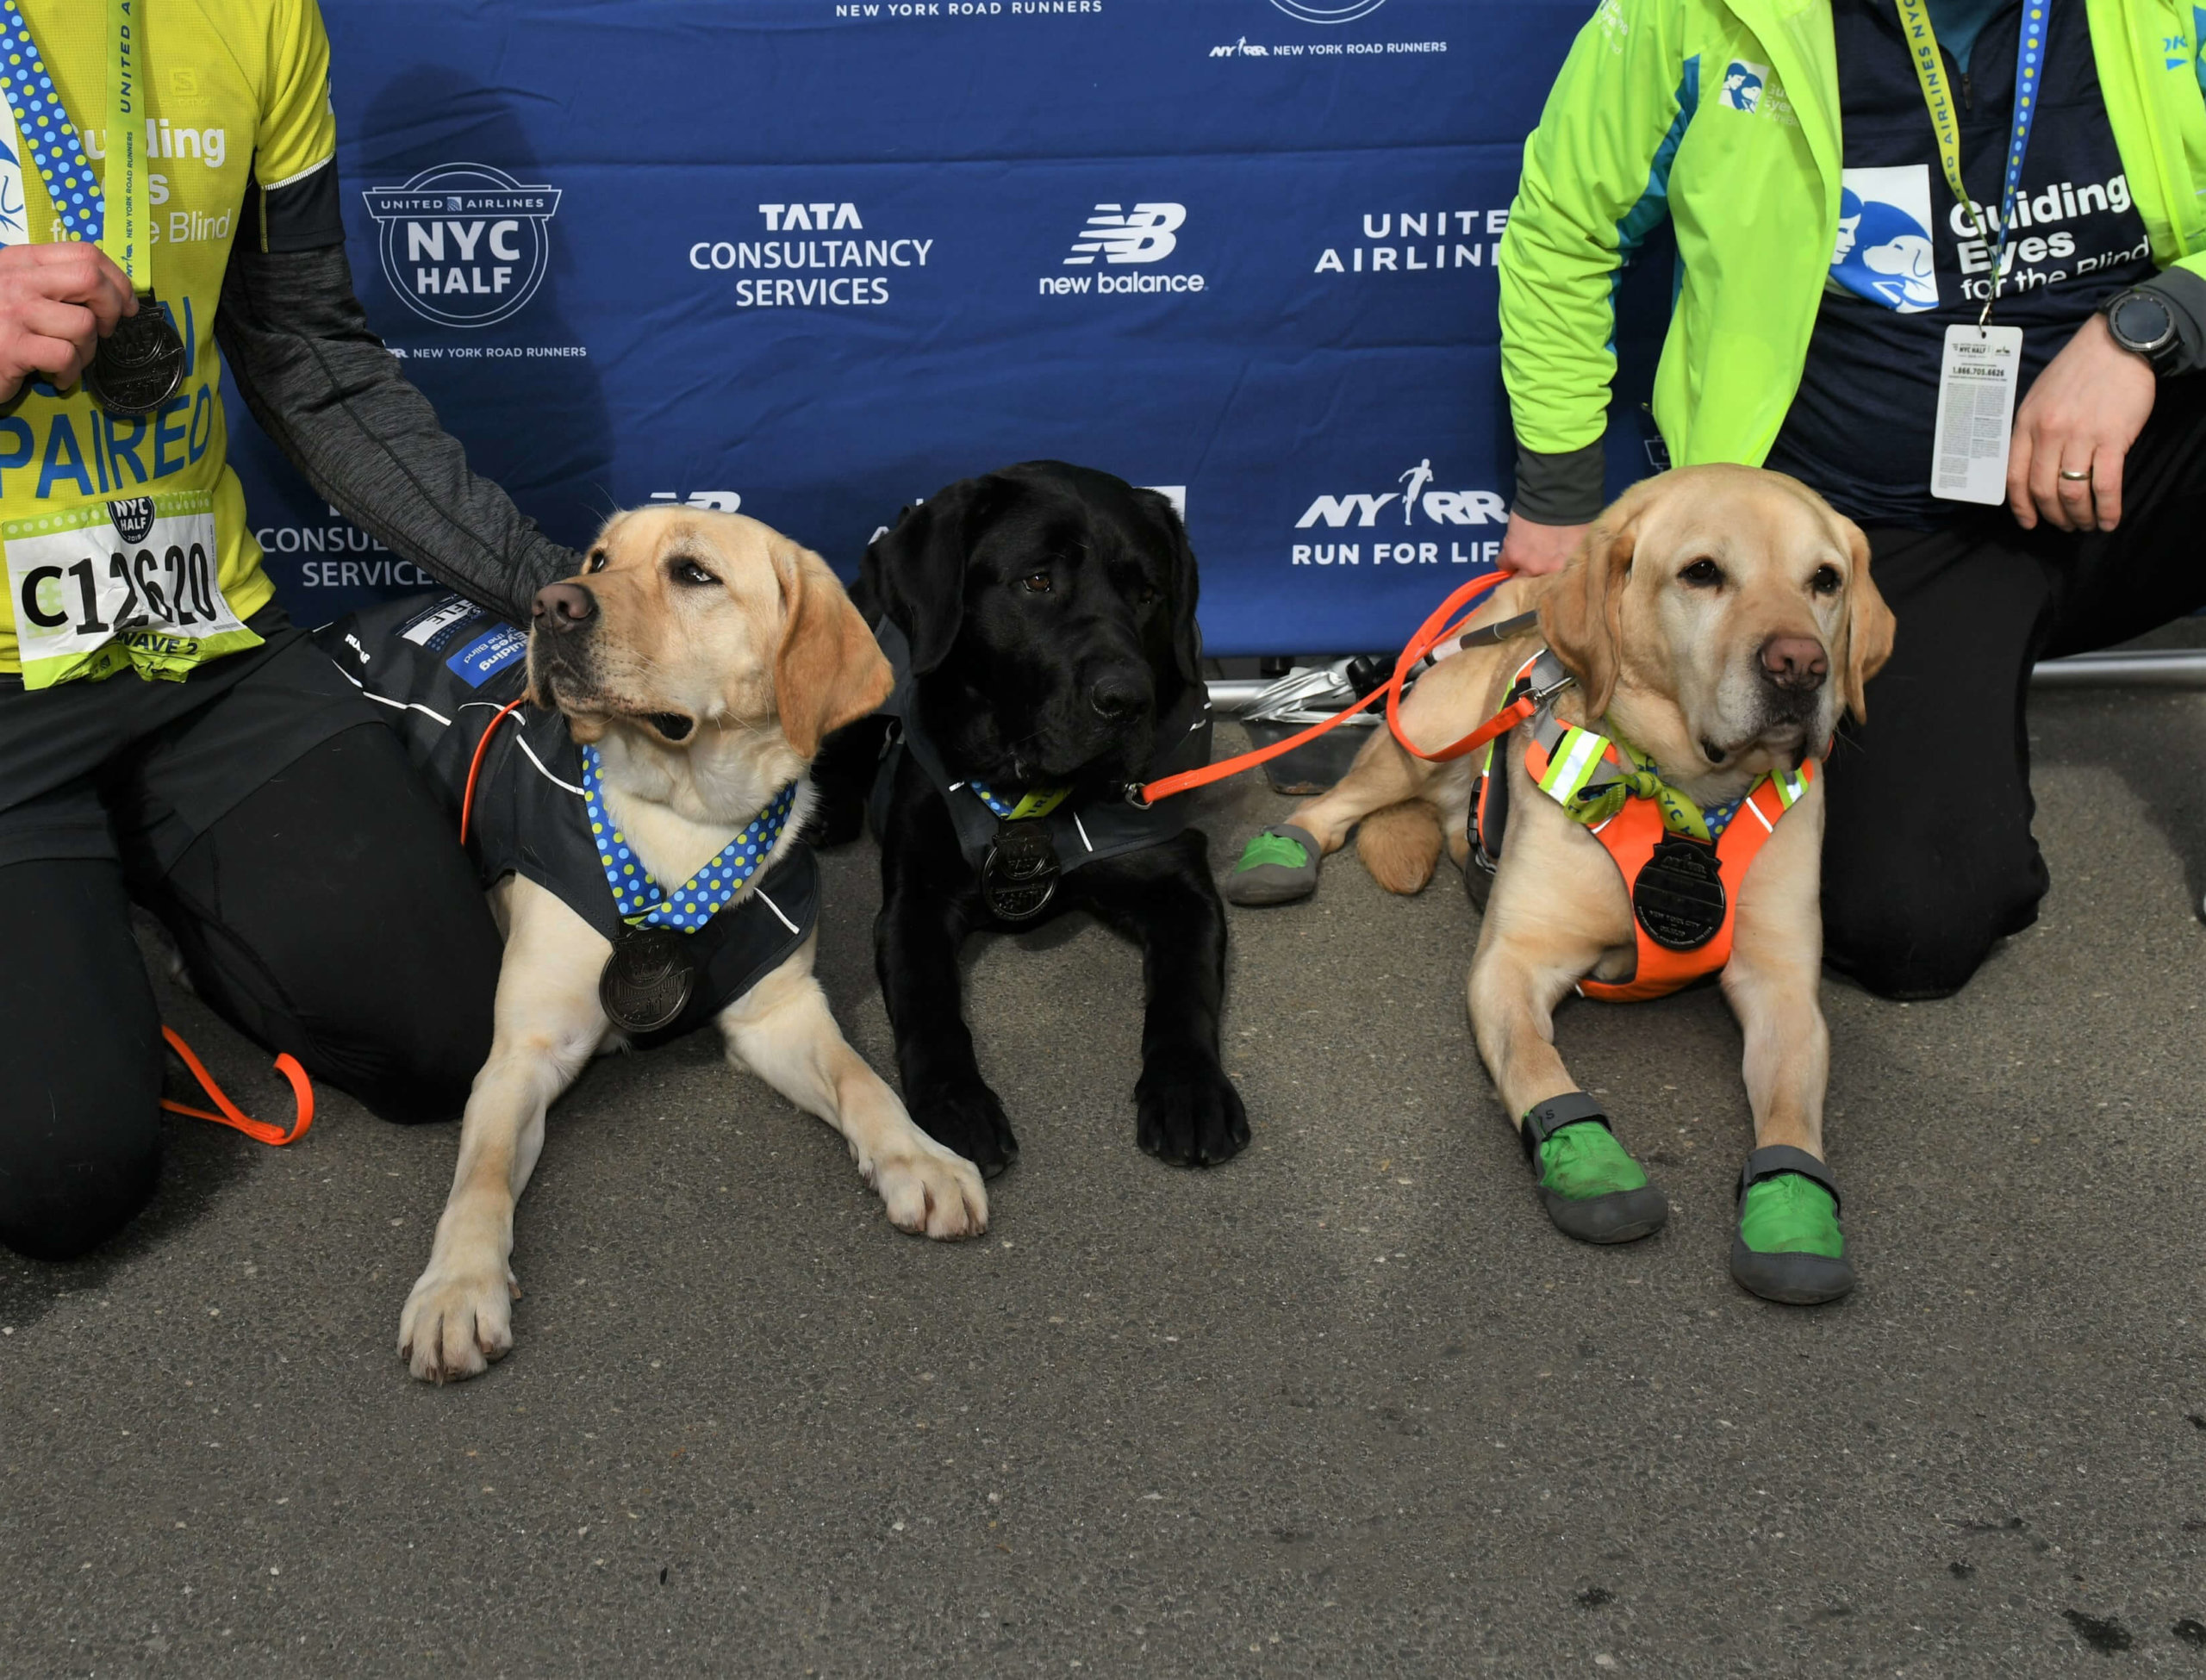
(1582, 617)
(1186, 583)
(1869, 626)
(918, 572)
(828, 670)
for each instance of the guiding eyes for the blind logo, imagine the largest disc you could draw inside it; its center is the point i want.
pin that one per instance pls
(1884, 252)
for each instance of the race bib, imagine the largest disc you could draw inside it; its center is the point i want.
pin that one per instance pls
(100, 585)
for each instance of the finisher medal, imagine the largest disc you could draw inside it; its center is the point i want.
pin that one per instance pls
(647, 980)
(1679, 897)
(1019, 877)
(139, 365)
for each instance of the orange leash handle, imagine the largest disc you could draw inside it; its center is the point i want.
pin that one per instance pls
(231, 1114)
(475, 766)
(1434, 631)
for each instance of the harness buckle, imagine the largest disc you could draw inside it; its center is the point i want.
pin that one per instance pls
(1543, 698)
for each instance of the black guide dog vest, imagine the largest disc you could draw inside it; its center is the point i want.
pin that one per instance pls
(1082, 833)
(445, 667)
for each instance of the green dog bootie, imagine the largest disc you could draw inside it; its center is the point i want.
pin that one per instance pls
(1279, 865)
(1589, 1184)
(1789, 1246)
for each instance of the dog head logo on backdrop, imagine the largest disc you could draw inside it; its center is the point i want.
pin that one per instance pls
(1146, 233)
(465, 245)
(1338, 11)
(1884, 251)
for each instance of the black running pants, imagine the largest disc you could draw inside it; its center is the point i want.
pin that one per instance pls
(1928, 856)
(331, 914)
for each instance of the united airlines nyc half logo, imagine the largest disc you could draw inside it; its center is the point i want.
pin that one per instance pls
(465, 245)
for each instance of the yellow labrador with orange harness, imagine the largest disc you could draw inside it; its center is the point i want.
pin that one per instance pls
(1657, 818)
(638, 830)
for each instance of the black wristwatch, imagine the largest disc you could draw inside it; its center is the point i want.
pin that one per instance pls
(2140, 320)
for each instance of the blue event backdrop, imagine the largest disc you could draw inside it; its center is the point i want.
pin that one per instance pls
(817, 258)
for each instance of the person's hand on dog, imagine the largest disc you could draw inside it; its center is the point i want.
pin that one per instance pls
(57, 302)
(2082, 414)
(1532, 548)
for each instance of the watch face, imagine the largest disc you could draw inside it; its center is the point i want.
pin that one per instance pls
(2141, 321)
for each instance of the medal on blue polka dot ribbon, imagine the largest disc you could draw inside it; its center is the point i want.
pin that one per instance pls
(1019, 877)
(138, 366)
(647, 980)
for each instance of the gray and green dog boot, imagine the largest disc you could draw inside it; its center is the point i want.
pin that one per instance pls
(1789, 1246)
(1277, 866)
(1590, 1187)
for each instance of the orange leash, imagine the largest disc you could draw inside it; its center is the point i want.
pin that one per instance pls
(231, 1114)
(475, 766)
(1435, 629)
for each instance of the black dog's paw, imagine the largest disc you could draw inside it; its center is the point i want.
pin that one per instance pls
(1189, 1114)
(968, 1119)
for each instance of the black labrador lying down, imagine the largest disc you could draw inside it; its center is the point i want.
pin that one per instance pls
(1041, 621)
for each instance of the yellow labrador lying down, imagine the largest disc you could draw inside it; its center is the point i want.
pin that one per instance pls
(1702, 642)
(695, 665)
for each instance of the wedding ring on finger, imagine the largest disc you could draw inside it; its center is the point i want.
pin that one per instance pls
(2082, 477)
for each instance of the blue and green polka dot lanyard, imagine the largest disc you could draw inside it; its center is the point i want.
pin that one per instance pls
(640, 900)
(49, 136)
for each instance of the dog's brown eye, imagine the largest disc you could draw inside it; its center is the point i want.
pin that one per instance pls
(1035, 583)
(1702, 574)
(690, 574)
(596, 562)
(1826, 582)
(1144, 596)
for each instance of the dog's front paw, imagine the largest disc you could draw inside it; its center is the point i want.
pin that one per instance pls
(458, 1320)
(967, 1119)
(928, 1190)
(1190, 1115)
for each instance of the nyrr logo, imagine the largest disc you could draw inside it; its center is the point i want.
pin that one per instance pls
(1146, 233)
(463, 243)
(1363, 510)
(1341, 11)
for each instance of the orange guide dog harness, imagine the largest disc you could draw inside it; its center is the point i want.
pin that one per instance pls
(1681, 865)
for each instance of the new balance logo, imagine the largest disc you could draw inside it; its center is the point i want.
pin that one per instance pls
(1145, 233)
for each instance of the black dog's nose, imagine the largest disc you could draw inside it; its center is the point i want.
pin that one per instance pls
(1116, 697)
(1795, 662)
(564, 606)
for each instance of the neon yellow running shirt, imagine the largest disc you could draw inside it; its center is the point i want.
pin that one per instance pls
(126, 540)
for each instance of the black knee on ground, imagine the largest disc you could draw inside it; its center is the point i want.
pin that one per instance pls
(1917, 954)
(420, 1069)
(83, 1156)
(80, 1039)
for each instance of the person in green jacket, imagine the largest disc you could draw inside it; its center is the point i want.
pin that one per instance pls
(1807, 157)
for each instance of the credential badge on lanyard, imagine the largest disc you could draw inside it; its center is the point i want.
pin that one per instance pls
(1982, 362)
(138, 366)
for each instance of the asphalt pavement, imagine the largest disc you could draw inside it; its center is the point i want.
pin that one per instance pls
(1347, 1405)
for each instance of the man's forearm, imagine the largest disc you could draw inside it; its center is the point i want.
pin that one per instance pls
(321, 384)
